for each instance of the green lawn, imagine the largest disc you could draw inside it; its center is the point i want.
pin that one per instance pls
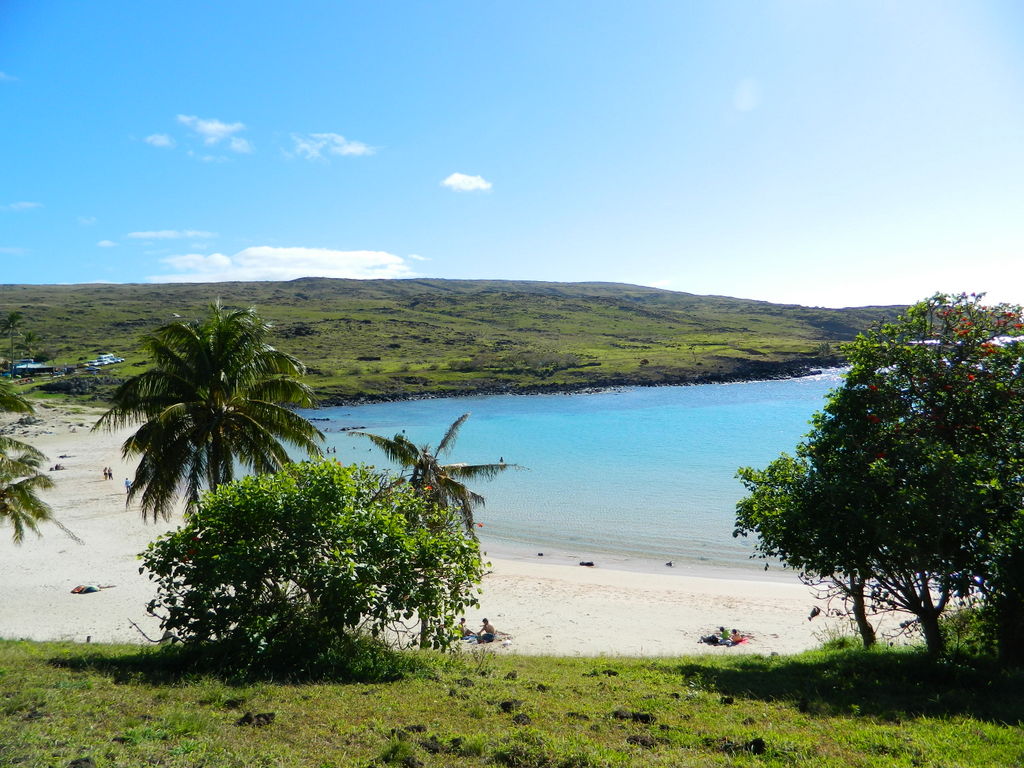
(120, 706)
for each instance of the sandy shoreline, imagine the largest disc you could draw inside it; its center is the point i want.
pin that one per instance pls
(547, 608)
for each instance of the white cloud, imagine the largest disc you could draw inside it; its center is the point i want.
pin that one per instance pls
(747, 96)
(170, 234)
(106, 243)
(417, 257)
(86, 221)
(20, 206)
(463, 183)
(313, 146)
(159, 140)
(213, 131)
(270, 263)
(6, 78)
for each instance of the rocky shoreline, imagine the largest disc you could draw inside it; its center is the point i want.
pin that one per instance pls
(747, 370)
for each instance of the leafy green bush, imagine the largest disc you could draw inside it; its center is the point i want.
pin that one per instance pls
(969, 631)
(295, 571)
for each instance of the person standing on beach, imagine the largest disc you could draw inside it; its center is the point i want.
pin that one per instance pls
(127, 485)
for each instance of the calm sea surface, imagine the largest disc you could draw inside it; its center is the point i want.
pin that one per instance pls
(630, 477)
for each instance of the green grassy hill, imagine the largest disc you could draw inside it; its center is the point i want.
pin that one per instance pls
(396, 338)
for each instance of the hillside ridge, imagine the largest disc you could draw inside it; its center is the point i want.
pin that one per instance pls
(389, 339)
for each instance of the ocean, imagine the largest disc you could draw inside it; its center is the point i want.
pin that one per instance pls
(629, 478)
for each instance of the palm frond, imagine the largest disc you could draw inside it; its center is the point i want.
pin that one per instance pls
(398, 449)
(450, 436)
(473, 471)
(11, 401)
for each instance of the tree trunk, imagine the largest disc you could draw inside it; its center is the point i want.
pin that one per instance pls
(932, 634)
(860, 613)
(1009, 616)
(1007, 600)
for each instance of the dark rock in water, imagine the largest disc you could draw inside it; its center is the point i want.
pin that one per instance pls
(82, 762)
(522, 719)
(540, 554)
(587, 563)
(511, 705)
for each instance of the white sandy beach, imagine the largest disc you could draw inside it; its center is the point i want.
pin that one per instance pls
(546, 608)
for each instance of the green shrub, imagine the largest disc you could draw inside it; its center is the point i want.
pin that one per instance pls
(397, 751)
(968, 631)
(285, 572)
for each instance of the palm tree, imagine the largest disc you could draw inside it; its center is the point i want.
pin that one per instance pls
(9, 325)
(213, 397)
(441, 483)
(29, 343)
(20, 481)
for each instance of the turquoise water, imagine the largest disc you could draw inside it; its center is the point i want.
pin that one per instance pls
(631, 476)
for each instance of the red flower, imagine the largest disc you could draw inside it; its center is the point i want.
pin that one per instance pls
(873, 387)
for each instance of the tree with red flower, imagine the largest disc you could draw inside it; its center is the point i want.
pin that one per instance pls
(937, 394)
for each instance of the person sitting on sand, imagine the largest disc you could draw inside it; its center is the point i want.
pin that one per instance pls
(465, 631)
(736, 637)
(486, 633)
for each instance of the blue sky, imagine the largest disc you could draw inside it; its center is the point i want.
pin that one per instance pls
(823, 153)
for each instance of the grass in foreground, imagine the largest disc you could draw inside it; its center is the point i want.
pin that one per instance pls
(122, 706)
